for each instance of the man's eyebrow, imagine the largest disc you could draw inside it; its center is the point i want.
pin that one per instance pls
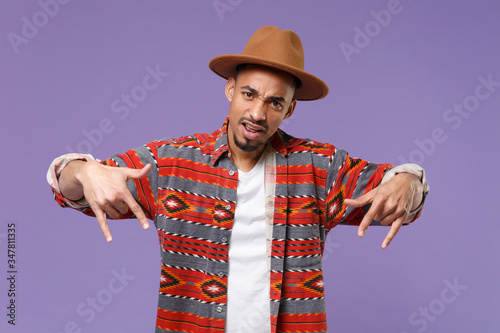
(278, 98)
(254, 91)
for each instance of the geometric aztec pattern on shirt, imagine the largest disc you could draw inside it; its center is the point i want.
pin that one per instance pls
(351, 178)
(303, 247)
(190, 206)
(213, 289)
(223, 216)
(176, 282)
(190, 193)
(168, 280)
(301, 211)
(303, 322)
(173, 204)
(179, 321)
(315, 284)
(303, 285)
(276, 286)
(335, 207)
(177, 245)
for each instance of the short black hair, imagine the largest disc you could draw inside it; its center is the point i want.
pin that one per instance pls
(296, 82)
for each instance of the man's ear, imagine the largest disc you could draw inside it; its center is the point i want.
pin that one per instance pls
(230, 86)
(291, 108)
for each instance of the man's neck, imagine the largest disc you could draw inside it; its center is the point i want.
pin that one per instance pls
(245, 161)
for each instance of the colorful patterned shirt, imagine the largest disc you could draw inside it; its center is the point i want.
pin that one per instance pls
(190, 193)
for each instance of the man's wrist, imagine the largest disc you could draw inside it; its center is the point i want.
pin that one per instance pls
(417, 188)
(55, 170)
(70, 180)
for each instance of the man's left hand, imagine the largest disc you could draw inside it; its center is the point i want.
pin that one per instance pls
(391, 203)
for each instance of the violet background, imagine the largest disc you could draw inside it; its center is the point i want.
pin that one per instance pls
(395, 91)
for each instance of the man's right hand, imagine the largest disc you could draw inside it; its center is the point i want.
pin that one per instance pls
(104, 188)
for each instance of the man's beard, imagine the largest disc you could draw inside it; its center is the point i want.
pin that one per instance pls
(247, 146)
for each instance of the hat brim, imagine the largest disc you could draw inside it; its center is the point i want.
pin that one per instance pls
(312, 87)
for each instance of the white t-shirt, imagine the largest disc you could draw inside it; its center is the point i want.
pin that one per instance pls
(248, 305)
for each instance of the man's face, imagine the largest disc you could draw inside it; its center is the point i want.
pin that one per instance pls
(260, 99)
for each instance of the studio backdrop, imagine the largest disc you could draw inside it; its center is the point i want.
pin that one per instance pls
(411, 81)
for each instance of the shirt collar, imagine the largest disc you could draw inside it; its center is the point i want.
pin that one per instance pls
(280, 142)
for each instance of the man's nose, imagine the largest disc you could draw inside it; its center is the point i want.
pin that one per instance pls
(258, 110)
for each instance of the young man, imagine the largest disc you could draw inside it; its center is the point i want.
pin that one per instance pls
(242, 213)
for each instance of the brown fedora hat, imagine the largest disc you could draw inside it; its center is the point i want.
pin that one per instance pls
(280, 49)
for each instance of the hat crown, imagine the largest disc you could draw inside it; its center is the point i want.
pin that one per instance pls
(276, 45)
(275, 48)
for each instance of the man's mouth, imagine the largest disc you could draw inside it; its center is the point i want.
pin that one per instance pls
(251, 131)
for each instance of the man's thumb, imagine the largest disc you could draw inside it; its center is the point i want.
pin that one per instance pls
(358, 202)
(353, 202)
(138, 173)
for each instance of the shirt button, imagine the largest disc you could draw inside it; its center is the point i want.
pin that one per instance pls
(224, 239)
(219, 309)
(231, 172)
(221, 275)
(228, 207)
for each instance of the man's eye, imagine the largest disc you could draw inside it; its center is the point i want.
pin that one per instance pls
(277, 105)
(247, 94)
